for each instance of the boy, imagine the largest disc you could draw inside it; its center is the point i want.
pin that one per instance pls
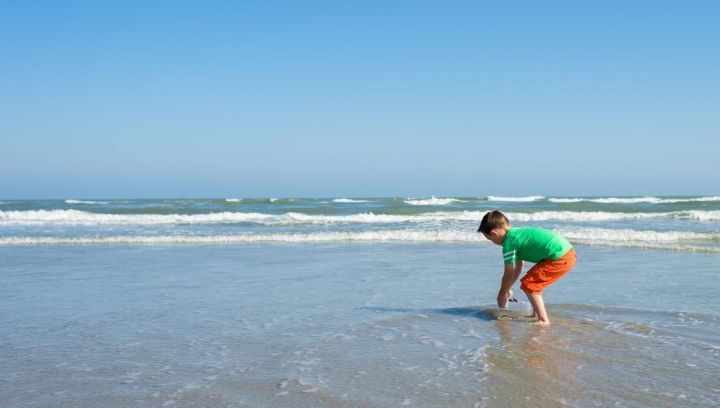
(552, 254)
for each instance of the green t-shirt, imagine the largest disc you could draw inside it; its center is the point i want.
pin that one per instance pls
(533, 245)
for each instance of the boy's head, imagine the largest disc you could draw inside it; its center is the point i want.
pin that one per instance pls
(494, 226)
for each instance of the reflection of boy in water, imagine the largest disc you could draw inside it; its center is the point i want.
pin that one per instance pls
(551, 252)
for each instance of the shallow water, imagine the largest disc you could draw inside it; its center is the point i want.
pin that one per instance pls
(359, 324)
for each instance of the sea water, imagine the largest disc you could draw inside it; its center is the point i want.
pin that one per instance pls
(352, 303)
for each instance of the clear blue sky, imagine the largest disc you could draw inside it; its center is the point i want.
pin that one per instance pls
(358, 98)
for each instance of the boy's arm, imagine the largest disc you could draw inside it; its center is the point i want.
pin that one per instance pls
(510, 276)
(508, 280)
(518, 270)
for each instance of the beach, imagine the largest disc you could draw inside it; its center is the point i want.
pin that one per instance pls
(276, 204)
(352, 303)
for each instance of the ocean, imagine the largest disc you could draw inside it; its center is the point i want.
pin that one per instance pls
(353, 302)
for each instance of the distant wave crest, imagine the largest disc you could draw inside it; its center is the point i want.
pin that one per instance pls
(349, 201)
(85, 202)
(516, 199)
(432, 201)
(635, 200)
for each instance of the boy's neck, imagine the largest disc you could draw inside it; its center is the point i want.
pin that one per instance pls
(502, 234)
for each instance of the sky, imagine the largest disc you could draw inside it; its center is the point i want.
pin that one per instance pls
(165, 99)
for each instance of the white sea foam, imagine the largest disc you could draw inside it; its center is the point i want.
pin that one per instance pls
(586, 216)
(362, 236)
(233, 200)
(593, 216)
(84, 202)
(349, 200)
(673, 240)
(605, 235)
(701, 215)
(516, 199)
(703, 199)
(432, 201)
(636, 200)
(631, 200)
(565, 200)
(76, 217)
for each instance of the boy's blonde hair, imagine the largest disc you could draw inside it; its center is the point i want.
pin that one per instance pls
(492, 220)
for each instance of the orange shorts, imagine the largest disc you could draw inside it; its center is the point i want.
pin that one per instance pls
(545, 273)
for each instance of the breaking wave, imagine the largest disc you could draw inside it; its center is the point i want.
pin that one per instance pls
(635, 200)
(432, 201)
(672, 240)
(363, 236)
(516, 199)
(349, 200)
(85, 202)
(85, 218)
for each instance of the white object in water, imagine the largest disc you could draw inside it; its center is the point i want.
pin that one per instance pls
(515, 309)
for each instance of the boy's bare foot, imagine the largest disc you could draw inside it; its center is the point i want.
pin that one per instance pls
(541, 323)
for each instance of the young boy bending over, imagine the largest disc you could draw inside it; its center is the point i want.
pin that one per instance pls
(551, 253)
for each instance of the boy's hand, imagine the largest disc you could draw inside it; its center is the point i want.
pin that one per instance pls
(502, 300)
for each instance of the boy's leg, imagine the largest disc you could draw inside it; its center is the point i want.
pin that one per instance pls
(542, 275)
(538, 306)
